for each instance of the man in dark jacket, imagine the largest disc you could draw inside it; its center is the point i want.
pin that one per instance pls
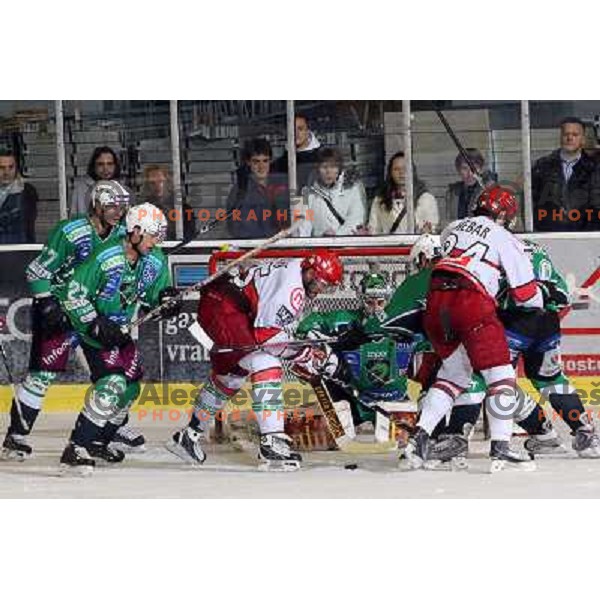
(259, 200)
(18, 203)
(566, 184)
(307, 150)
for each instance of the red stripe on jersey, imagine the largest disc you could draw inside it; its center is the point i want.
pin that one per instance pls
(262, 334)
(456, 253)
(252, 295)
(524, 292)
(274, 374)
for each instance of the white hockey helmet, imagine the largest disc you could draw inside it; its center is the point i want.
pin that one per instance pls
(149, 218)
(427, 245)
(110, 192)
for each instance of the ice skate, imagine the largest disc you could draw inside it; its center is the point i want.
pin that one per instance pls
(449, 452)
(15, 448)
(186, 445)
(417, 450)
(504, 457)
(106, 453)
(275, 453)
(587, 442)
(76, 460)
(128, 439)
(545, 444)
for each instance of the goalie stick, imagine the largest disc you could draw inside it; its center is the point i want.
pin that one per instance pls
(344, 442)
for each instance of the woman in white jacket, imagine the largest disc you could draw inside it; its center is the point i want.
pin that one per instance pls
(335, 204)
(388, 211)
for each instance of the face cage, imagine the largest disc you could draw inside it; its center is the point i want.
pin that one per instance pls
(374, 304)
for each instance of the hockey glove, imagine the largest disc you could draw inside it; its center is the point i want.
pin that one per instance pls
(316, 361)
(172, 303)
(50, 314)
(108, 333)
(553, 295)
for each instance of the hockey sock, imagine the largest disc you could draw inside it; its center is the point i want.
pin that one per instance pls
(535, 423)
(86, 432)
(211, 400)
(501, 406)
(267, 399)
(30, 395)
(132, 391)
(29, 416)
(436, 403)
(569, 408)
(461, 416)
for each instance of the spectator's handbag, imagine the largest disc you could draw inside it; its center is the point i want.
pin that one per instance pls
(329, 205)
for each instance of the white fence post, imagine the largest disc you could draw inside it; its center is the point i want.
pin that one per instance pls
(60, 155)
(176, 164)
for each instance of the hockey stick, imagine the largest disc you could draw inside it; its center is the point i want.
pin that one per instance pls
(202, 230)
(461, 148)
(292, 343)
(11, 381)
(226, 269)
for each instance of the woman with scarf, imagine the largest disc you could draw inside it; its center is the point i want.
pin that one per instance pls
(389, 212)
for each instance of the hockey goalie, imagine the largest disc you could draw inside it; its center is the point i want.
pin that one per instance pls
(249, 318)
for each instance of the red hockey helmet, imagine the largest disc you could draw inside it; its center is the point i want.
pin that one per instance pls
(499, 203)
(327, 265)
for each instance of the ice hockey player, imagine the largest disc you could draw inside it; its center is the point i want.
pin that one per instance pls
(372, 364)
(100, 300)
(405, 316)
(535, 335)
(461, 321)
(69, 244)
(249, 318)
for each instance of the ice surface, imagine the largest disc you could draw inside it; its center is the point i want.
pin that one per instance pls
(233, 474)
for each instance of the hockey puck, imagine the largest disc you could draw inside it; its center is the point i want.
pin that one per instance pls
(351, 466)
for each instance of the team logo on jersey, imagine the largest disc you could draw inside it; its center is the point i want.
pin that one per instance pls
(297, 299)
(378, 371)
(284, 317)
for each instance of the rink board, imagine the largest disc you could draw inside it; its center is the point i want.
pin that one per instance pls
(175, 396)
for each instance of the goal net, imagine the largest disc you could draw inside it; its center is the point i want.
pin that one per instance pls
(391, 262)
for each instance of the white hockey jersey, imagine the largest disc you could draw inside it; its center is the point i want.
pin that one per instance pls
(276, 295)
(486, 252)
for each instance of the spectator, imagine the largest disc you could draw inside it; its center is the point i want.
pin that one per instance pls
(157, 188)
(388, 210)
(336, 201)
(566, 184)
(18, 203)
(461, 195)
(307, 149)
(259, 199)
(104, 164)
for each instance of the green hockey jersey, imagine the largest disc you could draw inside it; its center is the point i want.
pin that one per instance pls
(553, 285)
(70, 243)
(377, 365)
(107, 284)
(405, 315)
